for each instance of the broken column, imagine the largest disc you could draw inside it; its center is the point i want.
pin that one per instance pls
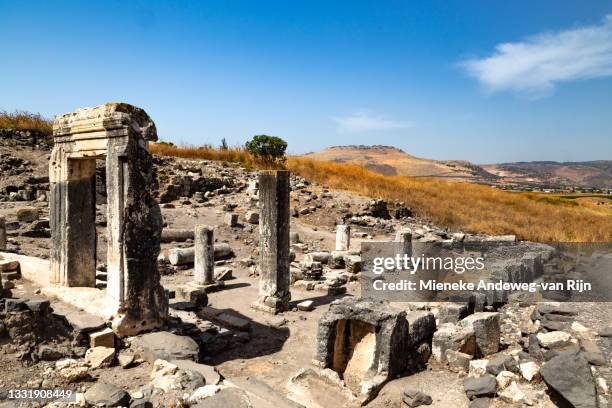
(2, 233)
(204, 262)
(118, 133)
(343, 237)
(403, 238)
(365, 343)
(274, 294)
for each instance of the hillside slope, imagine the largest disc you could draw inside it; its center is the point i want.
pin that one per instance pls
(391, 161)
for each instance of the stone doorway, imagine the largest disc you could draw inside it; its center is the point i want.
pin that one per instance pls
(119, 134)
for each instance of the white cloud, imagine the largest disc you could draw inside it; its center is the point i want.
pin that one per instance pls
(364, 122)
(534, 66)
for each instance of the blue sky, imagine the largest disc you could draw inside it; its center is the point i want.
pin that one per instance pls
(487, 81)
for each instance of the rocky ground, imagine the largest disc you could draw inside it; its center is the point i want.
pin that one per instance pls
(221, 353)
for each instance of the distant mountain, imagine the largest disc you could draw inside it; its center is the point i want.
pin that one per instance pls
(392, 161)
(596, 173)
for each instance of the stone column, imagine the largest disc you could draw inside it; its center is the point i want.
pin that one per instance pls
(274, 294)
(403, 238)
(204, 255)
(343, 237)
(2, 234)
(73, 214)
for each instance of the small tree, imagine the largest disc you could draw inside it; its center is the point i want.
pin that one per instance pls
(224, 144)
(269, 148)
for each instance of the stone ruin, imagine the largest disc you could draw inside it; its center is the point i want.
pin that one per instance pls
(274, 293)
(119, 134)
(363, 342)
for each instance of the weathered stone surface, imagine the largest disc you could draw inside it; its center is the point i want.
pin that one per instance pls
(501, 363)
(274, 291)
(343, 237)
(457, 361)
(98, 357)
(415, 398)
(2, 234)
(165, 346)
(529, 370)
(592, 352)
(480, 403)
(204, 255)
(477, 368)
(570, 376)
(252, 217)
(120, 133)
(484, 386)
(210, 373)
(452, 312)
(176, 235)
(227, 397)
(28, 214)
(169, 377)
(512, 394)
(348, 343)
(231, 219)
(504, 379)
(451, 337)
(185, 256)
(486, 330)
(421, 326)
(306, 306)
(9, 266)
(126, 359)
(554, 339)
(107, 395)
(103, 338)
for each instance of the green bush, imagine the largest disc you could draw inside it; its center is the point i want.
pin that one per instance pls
(269, 148)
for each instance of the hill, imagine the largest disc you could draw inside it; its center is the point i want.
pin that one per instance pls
(391, 161)
(583, 174)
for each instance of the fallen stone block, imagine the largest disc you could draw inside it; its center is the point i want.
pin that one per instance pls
(252, 217)
(512, 394)
(234, 322)
(569, 375)
(501, 363)
(415, 398)
(103, 338)
(451, 337)
(177, 235)
(223, 274)
(28, 214)
(484, 386)
(166, 346)
(98, 357)
(486, 330)
(452, 312)
(529, 369)
(210, 373)
(231, 219)
(185, 256)
(9, 266)
(504, 379)
(106, 395)
(554, 339)
(457, 361)
(421, 326)
(478, 368)
(306, 306)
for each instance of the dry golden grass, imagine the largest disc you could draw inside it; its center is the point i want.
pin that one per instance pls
(22, 120)
(471, 207)
(232, 154)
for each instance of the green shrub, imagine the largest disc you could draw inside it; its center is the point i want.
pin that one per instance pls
(268, 148)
